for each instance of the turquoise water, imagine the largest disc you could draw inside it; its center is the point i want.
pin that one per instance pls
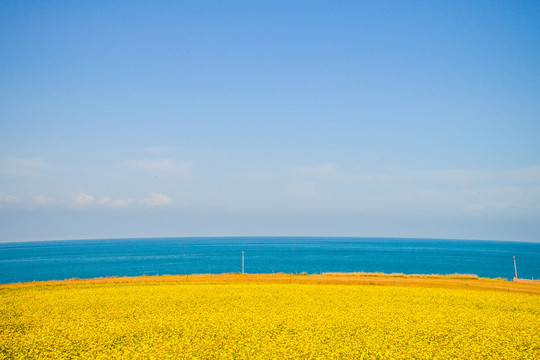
(57, 260)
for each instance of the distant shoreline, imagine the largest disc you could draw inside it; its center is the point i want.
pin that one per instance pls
(453, 281)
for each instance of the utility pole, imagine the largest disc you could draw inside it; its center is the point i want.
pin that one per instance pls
(243, 262)
(515, 268)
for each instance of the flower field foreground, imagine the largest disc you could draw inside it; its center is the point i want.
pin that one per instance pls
(174, 320)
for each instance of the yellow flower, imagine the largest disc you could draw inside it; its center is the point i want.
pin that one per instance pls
(168, 320)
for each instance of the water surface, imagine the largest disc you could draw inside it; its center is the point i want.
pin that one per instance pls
(58, 260)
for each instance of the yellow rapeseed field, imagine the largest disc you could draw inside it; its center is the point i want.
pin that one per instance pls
(174, 320)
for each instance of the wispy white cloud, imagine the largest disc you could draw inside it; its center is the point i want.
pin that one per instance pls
(458, 177)
(264, 175)
(156, 149)
(157, 199)
(114, 203)
(23, 167)
(9, 199)
(307, 196)
(169, 166)
(84, 199)
(330, 172)
(43, 200)
(529, 174)
(526, 175)
(393, 190)
(323, 171)
(500, 198)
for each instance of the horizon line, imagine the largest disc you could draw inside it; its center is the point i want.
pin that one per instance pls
(256, 237)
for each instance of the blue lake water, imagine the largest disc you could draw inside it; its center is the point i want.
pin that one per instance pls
(58, 260)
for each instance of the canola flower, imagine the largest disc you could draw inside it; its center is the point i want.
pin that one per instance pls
(265, 321)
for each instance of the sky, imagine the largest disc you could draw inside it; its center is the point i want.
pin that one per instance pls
(270, 118)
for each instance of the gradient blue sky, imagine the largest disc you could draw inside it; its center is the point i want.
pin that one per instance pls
(226, 118)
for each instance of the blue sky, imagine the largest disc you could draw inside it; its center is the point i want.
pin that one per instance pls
(375, 118)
